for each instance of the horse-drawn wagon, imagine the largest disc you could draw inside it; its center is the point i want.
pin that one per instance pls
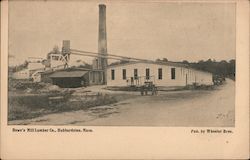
(148, 87)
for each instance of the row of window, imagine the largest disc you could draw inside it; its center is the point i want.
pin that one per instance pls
(160, 74)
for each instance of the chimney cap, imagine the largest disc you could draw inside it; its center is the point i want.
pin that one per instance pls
(102, 5)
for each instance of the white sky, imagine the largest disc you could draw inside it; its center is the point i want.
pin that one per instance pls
(177, 31)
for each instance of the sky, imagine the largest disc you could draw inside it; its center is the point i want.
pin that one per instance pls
(149, 30)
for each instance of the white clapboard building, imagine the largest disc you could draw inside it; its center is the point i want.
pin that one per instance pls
(160, 73)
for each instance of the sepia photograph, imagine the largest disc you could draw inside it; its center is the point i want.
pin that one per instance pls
(124, 79)
(152, 63)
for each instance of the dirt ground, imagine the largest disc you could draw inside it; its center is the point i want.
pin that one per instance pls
(194, 108)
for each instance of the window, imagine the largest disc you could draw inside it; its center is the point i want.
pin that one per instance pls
(159, 73)
(112, 74)
(55, 58)
(124, 74)
(135, 73)
(147, 73)
(172, 73)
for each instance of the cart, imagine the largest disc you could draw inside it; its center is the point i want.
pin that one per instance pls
(148, 87)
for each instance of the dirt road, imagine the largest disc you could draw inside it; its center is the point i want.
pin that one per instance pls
(208, 108)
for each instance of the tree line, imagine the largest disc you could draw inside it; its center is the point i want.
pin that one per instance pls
(221, 68)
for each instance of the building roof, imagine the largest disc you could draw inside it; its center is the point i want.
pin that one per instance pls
(68, 74)
(151, 62)
(169, 63)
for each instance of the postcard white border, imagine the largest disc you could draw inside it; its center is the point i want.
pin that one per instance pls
(134, 142)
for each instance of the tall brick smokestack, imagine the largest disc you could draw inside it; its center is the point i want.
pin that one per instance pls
(102, 40)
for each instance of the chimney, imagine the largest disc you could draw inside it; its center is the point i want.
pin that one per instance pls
(102, 40)
(66, 47)
(66, 52)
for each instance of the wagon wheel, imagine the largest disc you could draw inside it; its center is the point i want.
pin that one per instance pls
(142, 90)
(156, 91)
(153, 91)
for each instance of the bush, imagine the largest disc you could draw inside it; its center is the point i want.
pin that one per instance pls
(30, 106)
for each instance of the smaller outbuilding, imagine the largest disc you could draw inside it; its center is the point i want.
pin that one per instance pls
(70, 79)
(73, 77)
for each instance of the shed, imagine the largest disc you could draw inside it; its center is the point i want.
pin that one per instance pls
(70, 79)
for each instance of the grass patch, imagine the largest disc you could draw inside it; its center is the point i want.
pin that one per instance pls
(35, 105)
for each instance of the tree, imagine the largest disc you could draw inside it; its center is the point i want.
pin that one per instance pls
(201, 61)
(223, 62)
(21, 66)
(165, 60)
(222, 68)
(209, 61)
(158, 60)
(55, 50)
(232, 61)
